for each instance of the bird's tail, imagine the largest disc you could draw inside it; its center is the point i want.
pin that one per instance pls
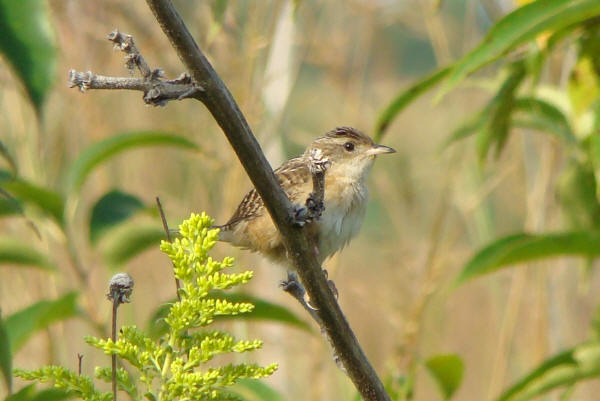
(224, 232)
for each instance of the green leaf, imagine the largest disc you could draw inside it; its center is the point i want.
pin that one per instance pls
(584, 86)
(517, 28)
(447, 371)
(5, 356)
(17, 252)
(21, 325)
(24, 191)
(28, 393)
(25, 394)
(472, 126)
(589, 43)
(576, 189)
(584, 82)
(263, 310)
(531, 112)
(6, 155)
(113, 208)
(101, 151)
(500, 110)
(523, 112)
(564, 369)
(218, 9)
(51, 394)
(404, 99)
(9, 205)
(255, 390)
(127, 241)
(28, 45)
(520, 248)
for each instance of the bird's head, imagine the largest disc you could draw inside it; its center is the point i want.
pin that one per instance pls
(349, 150)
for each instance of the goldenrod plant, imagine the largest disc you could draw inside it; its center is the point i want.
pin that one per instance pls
(174, 367)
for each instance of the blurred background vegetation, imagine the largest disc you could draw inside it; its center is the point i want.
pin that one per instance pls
(498, 172)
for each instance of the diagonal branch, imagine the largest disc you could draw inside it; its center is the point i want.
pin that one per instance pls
(226, 112)
(210, 89)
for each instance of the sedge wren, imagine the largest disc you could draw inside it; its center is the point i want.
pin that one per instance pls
(350, 155)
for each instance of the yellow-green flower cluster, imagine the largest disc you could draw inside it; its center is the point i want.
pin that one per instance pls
(79, 385)
(171, 368)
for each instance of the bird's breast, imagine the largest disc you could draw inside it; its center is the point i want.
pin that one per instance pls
(345, 206)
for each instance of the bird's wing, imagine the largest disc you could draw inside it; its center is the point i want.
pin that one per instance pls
(291, 175)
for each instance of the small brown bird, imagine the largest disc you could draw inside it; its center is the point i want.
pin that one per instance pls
(350, 154)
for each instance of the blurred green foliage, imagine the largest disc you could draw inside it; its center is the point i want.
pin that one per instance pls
(522, 49)
(29, 46)
(542, 28)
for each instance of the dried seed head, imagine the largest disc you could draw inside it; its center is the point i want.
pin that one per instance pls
(120, 288)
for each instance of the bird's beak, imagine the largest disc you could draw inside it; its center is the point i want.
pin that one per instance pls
(380, 150)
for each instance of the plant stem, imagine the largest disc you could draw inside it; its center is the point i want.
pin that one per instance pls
(115, 305)
(168, 234)
(79, 360)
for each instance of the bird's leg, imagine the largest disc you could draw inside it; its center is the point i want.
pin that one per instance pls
(292, 286)
(300, 216)
(315, 204)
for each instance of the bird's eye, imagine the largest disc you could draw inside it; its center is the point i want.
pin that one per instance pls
(349, 146)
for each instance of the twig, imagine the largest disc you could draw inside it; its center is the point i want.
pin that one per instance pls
(314, 205)
(318, 165)
(133, 58)
(120, 288)
(168, 234)
(157, 90)
(79, 359)
(218, 100)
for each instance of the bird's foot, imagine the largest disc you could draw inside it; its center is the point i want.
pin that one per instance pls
(292, 286)
(300, 216)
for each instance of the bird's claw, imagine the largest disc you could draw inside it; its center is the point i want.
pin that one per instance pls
(300, 216)
(333, 288)
(292, 286)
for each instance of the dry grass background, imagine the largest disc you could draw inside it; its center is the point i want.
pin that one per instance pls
(336, 63)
